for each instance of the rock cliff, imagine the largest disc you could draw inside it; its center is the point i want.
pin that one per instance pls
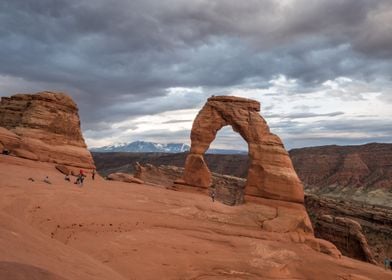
(362, 173)
(45, 127)
(359, 230)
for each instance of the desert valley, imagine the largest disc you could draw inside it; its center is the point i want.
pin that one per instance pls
(160, 221)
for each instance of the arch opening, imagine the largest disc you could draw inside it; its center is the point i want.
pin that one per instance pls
(227, 159)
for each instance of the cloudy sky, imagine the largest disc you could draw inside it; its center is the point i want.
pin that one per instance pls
(141, 69)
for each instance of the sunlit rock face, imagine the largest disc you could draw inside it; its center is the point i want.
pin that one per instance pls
(271, 173)
(44, 126)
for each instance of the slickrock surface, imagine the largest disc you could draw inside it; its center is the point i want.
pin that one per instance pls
(44, 126)
(362, 173)
(375, 224)
(271, 173)
(343, 230)
(115, 230)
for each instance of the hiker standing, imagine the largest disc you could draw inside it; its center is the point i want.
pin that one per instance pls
(80, 178)
(387, 263)
(213, 194)
(93, 174)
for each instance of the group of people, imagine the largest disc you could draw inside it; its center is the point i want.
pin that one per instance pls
(213, 193)
(388, 263)
(79, 178)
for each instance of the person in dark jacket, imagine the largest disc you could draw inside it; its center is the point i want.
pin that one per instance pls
(387, 263)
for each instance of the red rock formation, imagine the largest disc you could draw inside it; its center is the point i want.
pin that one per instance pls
(360, 231)
(123, 177)
(63, 169)
(347, 234)
(362, 173)
(271, 173)
(228, 189)
(44, 126)
(376, 221)
(284, 217)
(162, 175)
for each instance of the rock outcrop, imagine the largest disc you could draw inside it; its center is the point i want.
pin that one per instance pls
(271, 174)
(123, 177)
(44, 126)
(359, 230)
(162, 175)
(346, 234)
(228, 189)
(362, 173)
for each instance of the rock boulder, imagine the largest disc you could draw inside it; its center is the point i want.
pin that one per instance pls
(123, 177)
(44, 126)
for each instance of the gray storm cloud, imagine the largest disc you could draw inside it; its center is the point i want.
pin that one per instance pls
(119, 59)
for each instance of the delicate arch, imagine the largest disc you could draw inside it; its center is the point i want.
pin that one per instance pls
(271, 173)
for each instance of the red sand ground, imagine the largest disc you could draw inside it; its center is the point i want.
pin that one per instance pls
(112, 230)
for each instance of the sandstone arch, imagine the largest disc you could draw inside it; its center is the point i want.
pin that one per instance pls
(271, 173)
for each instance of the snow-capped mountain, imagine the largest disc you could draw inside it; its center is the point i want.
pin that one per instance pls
(150, 147)
(143, 147)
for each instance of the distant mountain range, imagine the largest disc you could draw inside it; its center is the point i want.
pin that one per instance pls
(143, 147)
(151, 147)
